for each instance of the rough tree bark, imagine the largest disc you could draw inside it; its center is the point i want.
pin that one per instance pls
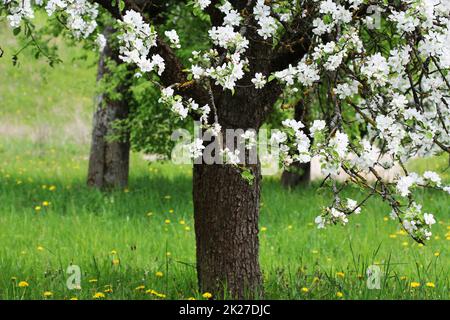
(226, 207)
(299, 173)
(108, 160)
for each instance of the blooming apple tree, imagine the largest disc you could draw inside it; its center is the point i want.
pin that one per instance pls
(380, 65)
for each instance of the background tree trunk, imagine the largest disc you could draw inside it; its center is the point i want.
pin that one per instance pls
(108, 160)
(299, 173)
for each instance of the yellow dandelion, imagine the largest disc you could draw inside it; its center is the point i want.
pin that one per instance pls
(207, 295)
(140, 288)
(340, 274)
(45, 203)
(109, 290)
(40, 248)
(47, 294)
(159, 274)
(339, 294)
(405, 243)
(315, 251)
(187, 228)
(437, 254)
(430, 285)
(191, 298)
(168, 254)
(290, 227)
(316, 279)
(437, 238)
(385, 219)
(52, 188)
(37, 208)
(150, 291)
(98, 295)
(170, 210)
(167, 221)
(392, 236)
(415, 284)
(113, 252)
(305, 290)
(403, 278)
(73, 298)
(263, 229)
(115, 262)
(149, 214)
(23, 284)
(182, 222)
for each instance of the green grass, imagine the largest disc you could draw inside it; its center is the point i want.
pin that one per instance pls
(82, 226)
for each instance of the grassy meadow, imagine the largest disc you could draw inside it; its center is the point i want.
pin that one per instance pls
(139, 243)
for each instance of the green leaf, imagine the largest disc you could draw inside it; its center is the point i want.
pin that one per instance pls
(16, 31)
(247, 175)
(121, 5)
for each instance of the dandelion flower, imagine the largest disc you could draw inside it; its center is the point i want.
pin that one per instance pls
(263, 229)
(98, 295)
(437, 254)
(140, 288)
(37, 208)
(23, 284)
(339, 294)
(167, 221)
(159, 274)
(45, 203)
(40, 248)
(182, 222)
(115, 262)
(47, 294)
(430, 285)
(415, 284)
(207, 295)
(74, 298)
(52, 188)
(340, 274)
(305, 290)
(191, 298)
(113, 252)
(109, 290)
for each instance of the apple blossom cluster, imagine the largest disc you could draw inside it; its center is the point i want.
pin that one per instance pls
(18, 10)
(224, 70)
(267, 24)
(136, 41)
(79, 15)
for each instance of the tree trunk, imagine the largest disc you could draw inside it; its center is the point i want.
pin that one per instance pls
(299, 173)
(226, 206)
(226, 226)
(108, 160)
